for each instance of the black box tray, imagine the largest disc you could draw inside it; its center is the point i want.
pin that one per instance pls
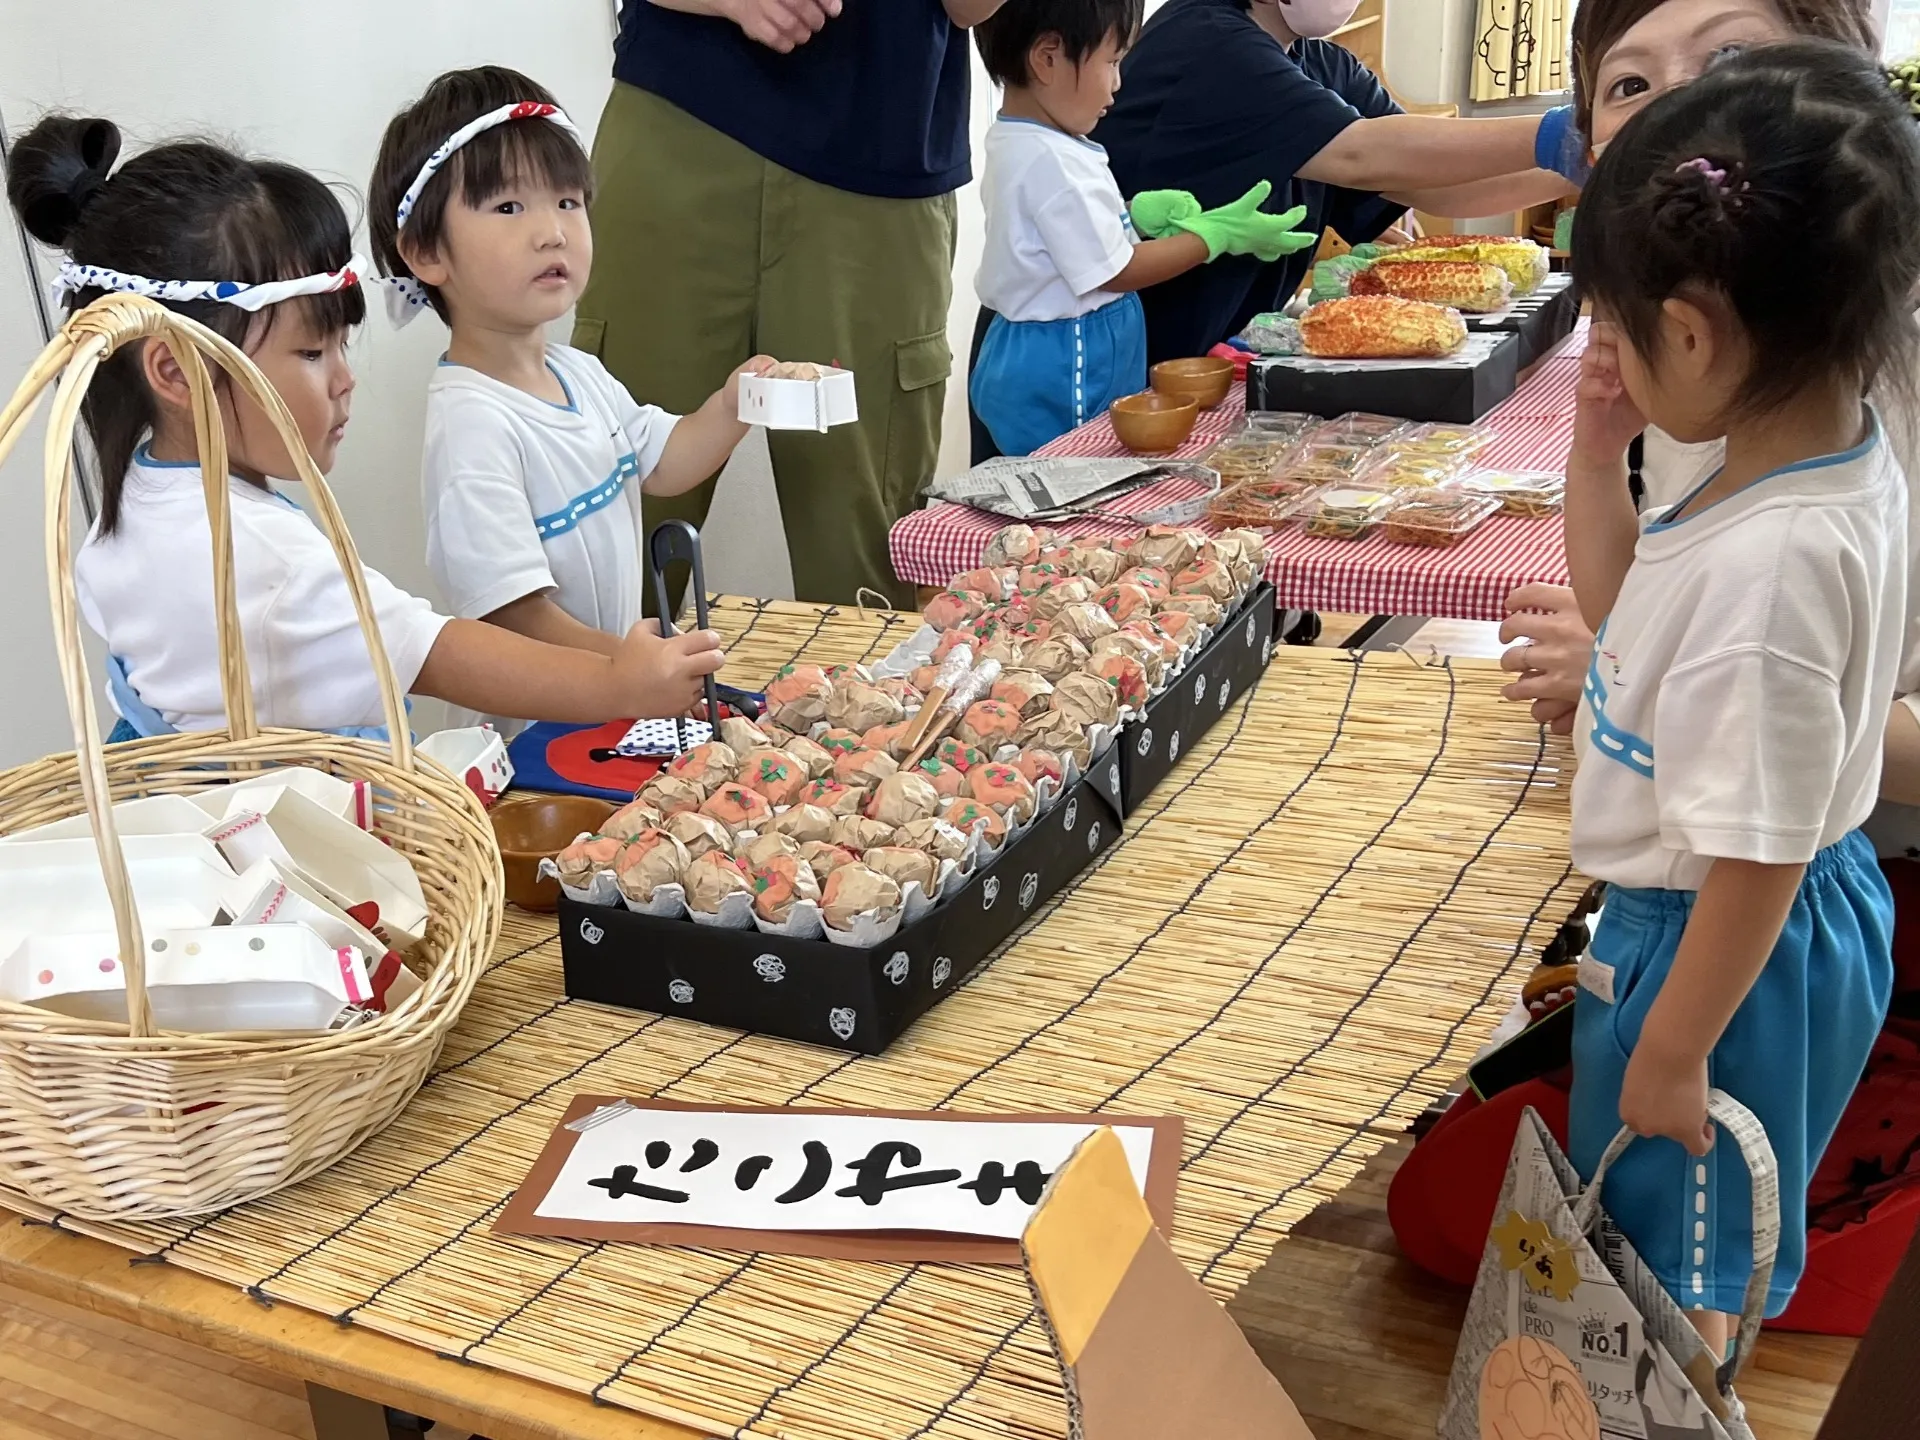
(1457, 390)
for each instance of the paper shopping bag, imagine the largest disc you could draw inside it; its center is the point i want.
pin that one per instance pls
(1570, 1337)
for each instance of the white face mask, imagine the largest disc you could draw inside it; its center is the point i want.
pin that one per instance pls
(1312, 19)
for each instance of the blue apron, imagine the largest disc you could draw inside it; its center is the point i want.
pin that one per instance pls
(140, 721)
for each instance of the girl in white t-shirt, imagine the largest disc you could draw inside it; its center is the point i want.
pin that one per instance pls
(536, 456)
(260, 252)
(1747, 244)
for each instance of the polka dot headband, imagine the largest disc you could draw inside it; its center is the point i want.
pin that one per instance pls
(75, 277)
(406, 297)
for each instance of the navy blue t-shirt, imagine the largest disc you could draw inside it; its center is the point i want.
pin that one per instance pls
(875, 103)
(1211, 103)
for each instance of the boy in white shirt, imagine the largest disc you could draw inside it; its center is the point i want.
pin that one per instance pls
(1063, 260)
(535, 454)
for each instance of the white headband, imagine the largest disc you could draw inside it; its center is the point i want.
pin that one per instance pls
(75, 277)
(406, 297)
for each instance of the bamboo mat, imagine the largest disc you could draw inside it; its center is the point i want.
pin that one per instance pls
(1300, 942)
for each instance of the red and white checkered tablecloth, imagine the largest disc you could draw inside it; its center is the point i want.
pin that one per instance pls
(1370, 576)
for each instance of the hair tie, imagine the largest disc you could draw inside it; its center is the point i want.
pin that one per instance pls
(74, 277)
(519, 110)
(1714, 175)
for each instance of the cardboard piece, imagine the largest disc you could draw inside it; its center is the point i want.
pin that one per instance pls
(147, 815)
(344, 863)
(55, 887)
(476, 755)
(209, 980)
(1458, 389)
(522, 1217)
(1540, 320)
(1147, 1353)
(274, 893)
(351, 800)
(799, 404)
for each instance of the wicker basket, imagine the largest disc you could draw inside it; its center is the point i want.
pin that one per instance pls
(106, 1120)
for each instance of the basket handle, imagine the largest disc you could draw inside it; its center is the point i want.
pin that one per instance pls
(88, 338)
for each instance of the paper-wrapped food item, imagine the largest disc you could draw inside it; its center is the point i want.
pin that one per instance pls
(1136, 646)
(925, 678)
(836, 799)
(1014, 545)
(1069, 590)
(901, 798)
(699, 833)
(1166, 547)
(1005, 789)
(1203, 608)
(813, 758)
(713, 877)
(587, 855)
(904, 866)
(1153, 579)
(1381, 327)
(671, 795)
(779, 883)
(887, 739)
(1151, 633)
(838, 742)
(935, 837)
(910, 695)
(752, 850)
(1060, 734)
(775, 775)
(851, 670)
(709, 766)
(1085, 622)
(1026, 691)
(802, 823)
(651, 859)
(857, 833)
(741, 734)
(854, 706)
(994, 582)
(1207, 577)
(1059, 654)
(1098, 563)
(945, 779)
(737, 807)
(958, 754)
(1038, 764)
(1464, 284)
(1007, 651)
(864, 769)
(988, 724)
(631, 819)
(1124, 602)
(1181, 627)
(1247, 546)
(797, 697)
(855, 890)
(1086, 700)
(1126, 675)
(823, 857)
(970, 816)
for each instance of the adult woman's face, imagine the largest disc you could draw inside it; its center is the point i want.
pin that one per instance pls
(1672, 47)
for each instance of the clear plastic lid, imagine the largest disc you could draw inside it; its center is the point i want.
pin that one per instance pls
(1259, 504)
(1361, 427)
(1324, 463)
(1520, 492)
(1344, 512)
(1437, 517)
(1280, 422)
(1398, 469)
(1439, 439)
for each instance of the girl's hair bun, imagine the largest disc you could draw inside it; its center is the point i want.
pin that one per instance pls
(58, 167)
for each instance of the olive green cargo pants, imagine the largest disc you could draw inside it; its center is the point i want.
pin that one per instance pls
(706, 254)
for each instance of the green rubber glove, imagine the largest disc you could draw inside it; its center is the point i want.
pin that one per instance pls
(1157, 213)
(1243, 228)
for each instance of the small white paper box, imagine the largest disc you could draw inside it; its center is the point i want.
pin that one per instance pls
(476, 755)
(272, 892)
(343, 862)
(210, 979)
(54, 887)
(799, 404)
(351, 800)
(149, 815)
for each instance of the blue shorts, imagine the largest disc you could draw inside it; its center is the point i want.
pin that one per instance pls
(1035, 380)
(1791, 1054)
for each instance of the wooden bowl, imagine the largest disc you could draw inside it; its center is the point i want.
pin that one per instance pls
(531, 827)
(1152, 424)
(1204, 379)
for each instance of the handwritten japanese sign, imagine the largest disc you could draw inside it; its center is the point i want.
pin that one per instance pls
(641, 1170)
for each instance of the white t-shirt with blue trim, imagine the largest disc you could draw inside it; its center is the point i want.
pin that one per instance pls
(1057, 227)
(525, 497)
(147, 590)
(1737, 693)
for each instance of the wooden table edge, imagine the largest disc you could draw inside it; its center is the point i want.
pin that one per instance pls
(94, 1276)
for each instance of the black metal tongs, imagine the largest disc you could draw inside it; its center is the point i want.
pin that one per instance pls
(671, 542)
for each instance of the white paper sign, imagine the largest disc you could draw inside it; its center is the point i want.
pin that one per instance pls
(795, 1171)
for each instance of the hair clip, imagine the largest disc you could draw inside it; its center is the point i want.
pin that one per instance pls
(1703, 166)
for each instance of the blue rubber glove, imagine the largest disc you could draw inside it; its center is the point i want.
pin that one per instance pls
(1560, 147)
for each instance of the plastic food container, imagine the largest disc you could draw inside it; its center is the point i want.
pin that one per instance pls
(1520, 492)
(1323, 463)
(1436, 439)
(1259, 504)
(1359, 427)
(1398, 469)
(1344, 512)
(1291, 423)
(1437, 518)
(1249, 455)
